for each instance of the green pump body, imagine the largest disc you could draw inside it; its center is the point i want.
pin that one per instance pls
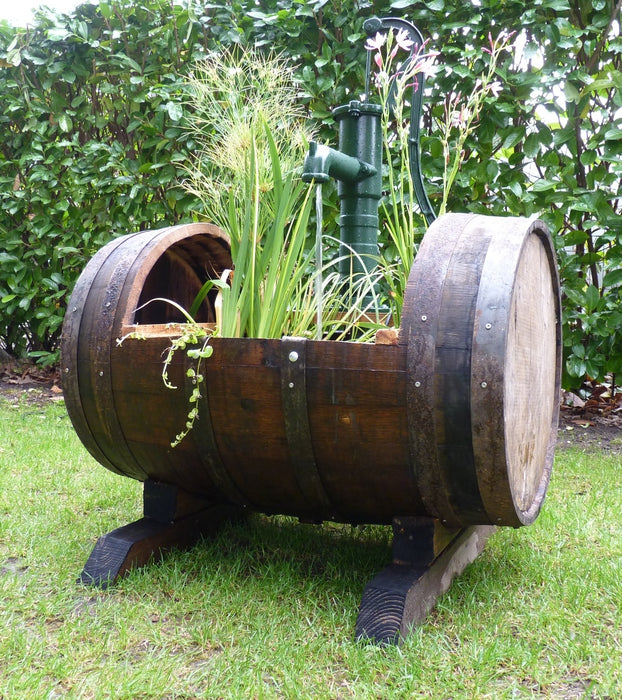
(360, 137)
(357, 164)
(357, 167)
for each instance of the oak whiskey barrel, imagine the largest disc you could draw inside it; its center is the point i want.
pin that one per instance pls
(456, 421)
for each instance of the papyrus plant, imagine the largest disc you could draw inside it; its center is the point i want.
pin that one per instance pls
(252, 139)
(252, 136)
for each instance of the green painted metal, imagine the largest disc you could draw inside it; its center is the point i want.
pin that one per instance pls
(324, 162)
(357, 167)
(360, 137)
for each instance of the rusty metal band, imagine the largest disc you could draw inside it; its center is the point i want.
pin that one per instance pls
(297, 429)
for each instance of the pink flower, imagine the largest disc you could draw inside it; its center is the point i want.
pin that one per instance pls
(501, 42)
(376, 43)
(495, 88)
(424, 60)
(402, 40)
(425, 63)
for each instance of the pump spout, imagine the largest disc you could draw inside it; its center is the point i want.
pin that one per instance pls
(323, 162)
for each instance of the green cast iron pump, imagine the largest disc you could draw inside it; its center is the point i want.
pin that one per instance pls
(357, 167)
(357, 164)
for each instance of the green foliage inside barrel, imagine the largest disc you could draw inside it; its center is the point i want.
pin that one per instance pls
(456, 421)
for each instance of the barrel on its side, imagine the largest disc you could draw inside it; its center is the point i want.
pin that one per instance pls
(457, 421)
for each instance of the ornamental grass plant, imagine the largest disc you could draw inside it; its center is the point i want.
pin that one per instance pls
(251, 136)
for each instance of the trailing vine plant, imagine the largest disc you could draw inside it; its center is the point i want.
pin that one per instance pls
(194, 340)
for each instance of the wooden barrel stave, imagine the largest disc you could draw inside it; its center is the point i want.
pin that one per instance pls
(70, 357)
(418, 331)
(88, 336)
(452, 372)
(356, 406)
(354, 400)
(96, 340)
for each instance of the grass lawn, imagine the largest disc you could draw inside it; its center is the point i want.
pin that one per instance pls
(267, 609)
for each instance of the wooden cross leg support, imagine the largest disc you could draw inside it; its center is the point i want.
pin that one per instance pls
(172, 519)
(426, 558)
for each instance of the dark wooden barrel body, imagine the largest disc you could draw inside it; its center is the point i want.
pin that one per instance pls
(457, 421)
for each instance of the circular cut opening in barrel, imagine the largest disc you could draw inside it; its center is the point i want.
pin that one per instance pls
(114, 293)
(178, 275)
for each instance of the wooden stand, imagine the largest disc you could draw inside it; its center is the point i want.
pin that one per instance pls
(172, 519)
(426, 558)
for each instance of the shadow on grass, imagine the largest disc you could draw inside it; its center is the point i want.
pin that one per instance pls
(339, 558)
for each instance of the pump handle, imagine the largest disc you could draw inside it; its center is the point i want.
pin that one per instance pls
(376, 25)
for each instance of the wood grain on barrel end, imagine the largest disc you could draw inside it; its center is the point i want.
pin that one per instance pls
(530, 375)
(515, 370)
